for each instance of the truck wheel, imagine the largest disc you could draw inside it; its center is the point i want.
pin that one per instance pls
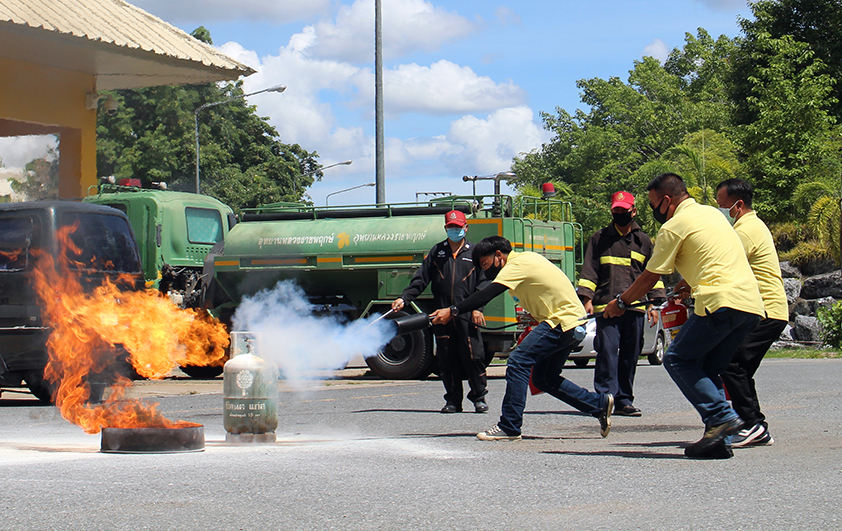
(39, 387)
(657, 356)
(405, 357)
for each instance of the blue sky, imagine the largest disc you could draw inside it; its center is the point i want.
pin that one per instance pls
(464, 81)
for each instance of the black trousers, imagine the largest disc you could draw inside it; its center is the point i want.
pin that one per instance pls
(738, 378)
(460, 356)
(618, 343)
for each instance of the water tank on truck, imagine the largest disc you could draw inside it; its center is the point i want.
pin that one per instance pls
(357, 260)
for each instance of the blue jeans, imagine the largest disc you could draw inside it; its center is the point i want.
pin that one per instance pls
(546, 349)
(700, 352)
(618, 343)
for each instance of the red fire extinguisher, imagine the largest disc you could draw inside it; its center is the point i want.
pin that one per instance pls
(673, 315)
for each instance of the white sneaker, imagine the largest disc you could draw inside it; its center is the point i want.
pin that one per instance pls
(497, 434)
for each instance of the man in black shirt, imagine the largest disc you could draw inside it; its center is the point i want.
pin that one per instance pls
(451, 271)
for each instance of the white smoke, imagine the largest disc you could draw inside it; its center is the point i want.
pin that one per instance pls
(289, 333)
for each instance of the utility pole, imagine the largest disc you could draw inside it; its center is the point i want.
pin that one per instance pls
(379, 168)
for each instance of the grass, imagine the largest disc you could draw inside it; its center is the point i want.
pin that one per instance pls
(805, 353)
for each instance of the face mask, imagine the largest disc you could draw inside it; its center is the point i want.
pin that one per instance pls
(727, 213)
(491, 272)
(621, 219)
(455, 234)
(656, 212)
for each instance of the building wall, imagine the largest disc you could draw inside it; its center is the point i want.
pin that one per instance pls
(38, 99)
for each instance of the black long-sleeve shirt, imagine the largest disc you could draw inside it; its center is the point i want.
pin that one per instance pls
(452, 278)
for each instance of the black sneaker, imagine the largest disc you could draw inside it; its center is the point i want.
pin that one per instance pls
(480, 406)
(747, 436)
(605, 415)
(497, 434)
(713, 435)
(719, 450)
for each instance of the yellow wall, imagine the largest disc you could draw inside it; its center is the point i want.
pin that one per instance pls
(37, 99)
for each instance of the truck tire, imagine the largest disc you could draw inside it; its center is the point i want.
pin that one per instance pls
(39, 387)
(405, 357)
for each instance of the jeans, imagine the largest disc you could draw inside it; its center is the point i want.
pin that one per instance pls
(543, 353)
(700, 353)
(618, 343)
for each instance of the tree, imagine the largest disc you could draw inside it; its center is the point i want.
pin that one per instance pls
(41, 178)
(814, 22)
(631, 128)
(243, 161)
(783, 124)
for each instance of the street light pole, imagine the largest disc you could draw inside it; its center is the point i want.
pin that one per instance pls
(320, 168)
(276, 88)
(347, 190)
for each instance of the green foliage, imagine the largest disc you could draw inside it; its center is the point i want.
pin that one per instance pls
(806, 252)
(831, 320)
(242, 160)
(41, 178)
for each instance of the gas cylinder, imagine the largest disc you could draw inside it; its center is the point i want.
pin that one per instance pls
(250, 393)
(673, 315)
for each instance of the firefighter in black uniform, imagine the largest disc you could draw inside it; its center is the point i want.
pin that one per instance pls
(616, 256)
(450, 269)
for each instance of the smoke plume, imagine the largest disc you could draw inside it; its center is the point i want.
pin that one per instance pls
(291, 334)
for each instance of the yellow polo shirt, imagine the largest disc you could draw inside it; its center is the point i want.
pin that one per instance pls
(543, 290)
(763, 259)
(700, 243)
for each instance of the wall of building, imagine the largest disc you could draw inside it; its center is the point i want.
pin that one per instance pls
(38, 99)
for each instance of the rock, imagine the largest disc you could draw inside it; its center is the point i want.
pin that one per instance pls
(799, 307)
(792, 286)
(790, 271)
(807, 329)
(826, 285)
(817, 267)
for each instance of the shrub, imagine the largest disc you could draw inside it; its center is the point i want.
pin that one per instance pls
(831, 320)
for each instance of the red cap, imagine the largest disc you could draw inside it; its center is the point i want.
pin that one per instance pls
(454, 217)
(622, 200)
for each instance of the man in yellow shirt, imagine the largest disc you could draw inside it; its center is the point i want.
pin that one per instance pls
(697, 241)
(734, 197)
(548, 295)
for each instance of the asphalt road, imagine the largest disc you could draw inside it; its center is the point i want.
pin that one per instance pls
(366, 454)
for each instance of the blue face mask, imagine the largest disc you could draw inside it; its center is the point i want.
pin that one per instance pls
(455, 234)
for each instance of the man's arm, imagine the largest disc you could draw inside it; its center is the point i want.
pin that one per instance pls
(478, 299)
(636, 291)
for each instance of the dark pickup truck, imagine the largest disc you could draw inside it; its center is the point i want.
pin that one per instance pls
(27, 230)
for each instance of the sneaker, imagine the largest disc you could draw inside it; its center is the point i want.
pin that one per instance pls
(714, 434)
(719, 450)
(497, 434)
(605, 415)
(480, 406)
(757, 435)
(747, 436)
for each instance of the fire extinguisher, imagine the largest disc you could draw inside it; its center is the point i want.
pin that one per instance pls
(673, 315)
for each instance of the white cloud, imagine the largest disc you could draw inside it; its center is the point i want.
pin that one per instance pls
(506, 16)
(17, 151)
(274, 11)
(488, 145)
(441, 88)
(658, 50)
(723, 5)
(407, 26)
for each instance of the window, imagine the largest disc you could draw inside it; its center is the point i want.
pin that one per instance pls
(15, 242)
(204, 225)
(105, 243)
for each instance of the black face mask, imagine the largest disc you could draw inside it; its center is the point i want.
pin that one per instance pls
(621, 219)
(656, 212)
(491, 272)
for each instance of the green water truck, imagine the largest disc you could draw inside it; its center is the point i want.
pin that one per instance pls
(355, 260)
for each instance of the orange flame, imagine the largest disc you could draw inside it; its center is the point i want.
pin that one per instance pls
(93, 328)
